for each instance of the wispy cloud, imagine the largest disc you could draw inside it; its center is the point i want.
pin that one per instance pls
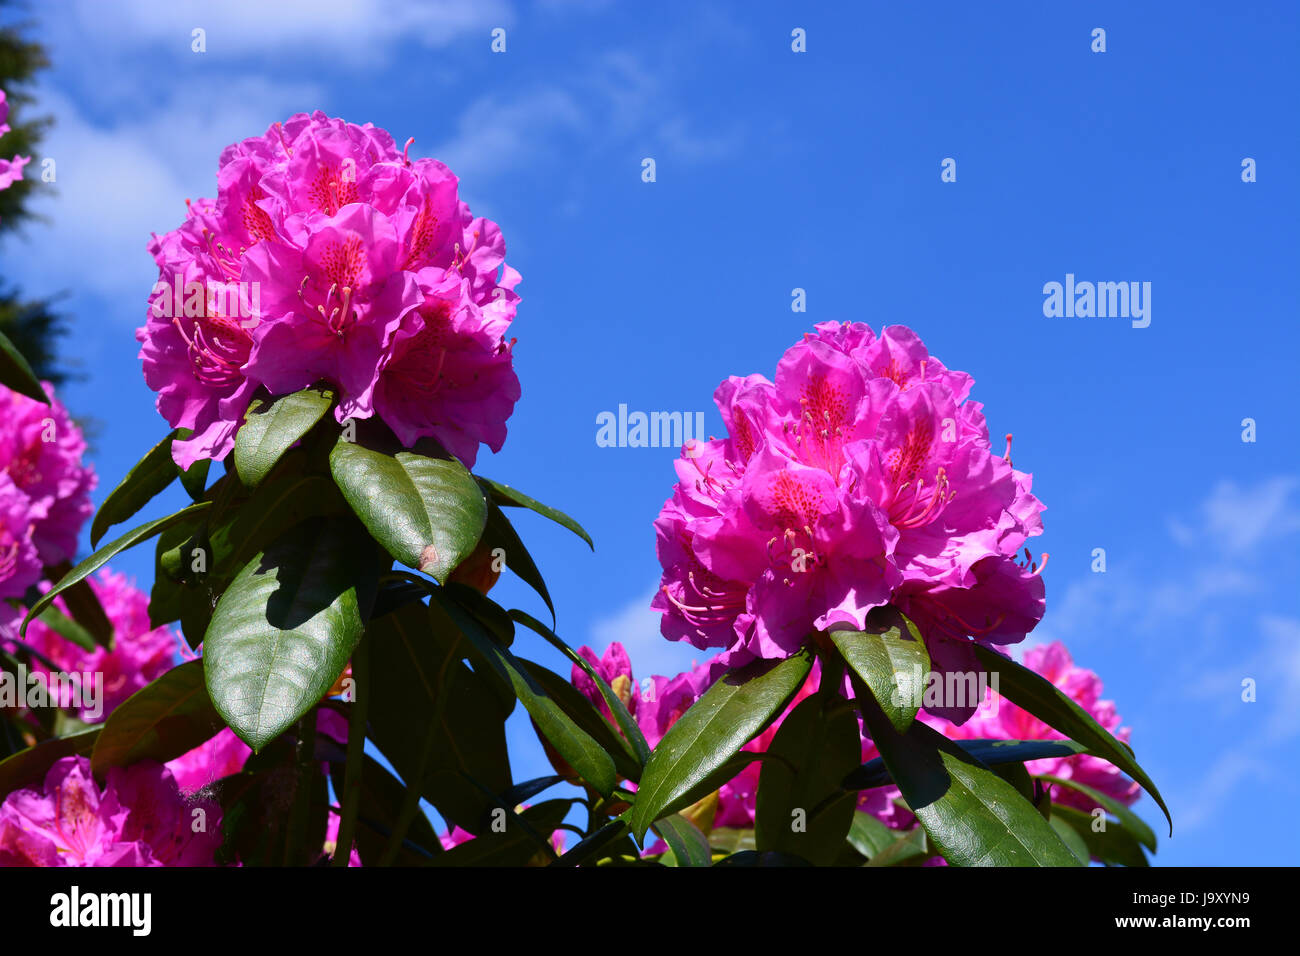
(636, 627)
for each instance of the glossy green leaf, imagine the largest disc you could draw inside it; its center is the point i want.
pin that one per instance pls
(991, 753)
(272, 426)
(150, 476)
(194, 479)
(573, 743)
(1049, 704)
(1116, 844)
(427, 512)
(106, 553)
(911, 848)
(891, 657)
(67, 628)
(282, 632)
(801, 809)
(500, 533)
(169, 717)
(738, 705)
(409, 663)
(687, 845)
(505, 495)
(17, 374)
(868, 835)
(1131, 821)
(585, 716)
(379, 802)
(631, 730)
(973, 817)
(1070, 837)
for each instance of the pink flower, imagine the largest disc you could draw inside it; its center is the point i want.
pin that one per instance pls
(11, 170)
(41, 450)
(861, 476)
(354, 265)
(221, 756)
(138, 819)
(998, 718)
(20, 566)
(139, 655)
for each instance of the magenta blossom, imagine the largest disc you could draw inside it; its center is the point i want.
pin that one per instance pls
(221, 756)
(861, 476)
(20, 566)
(140, 818)
(41, 450)
(11, 170)
(329, 254)
(998, 718)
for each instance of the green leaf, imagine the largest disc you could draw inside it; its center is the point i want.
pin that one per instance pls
(573, 743)
(194, 479)
(146, 480)
(106, 553)
(687, 845)
(868, 835)
(909, 849)
(379, 802)
(631, 730)
(1049, 704)
(505, 495)
(168, 718)
(500, 533)
(1131, 821)
(801, 808)
(27, 768)
(991, 753)
(271, 427)
(67, 628)
(592, 846)
(739, 705)
(17, 374)
(973, 817)
(1116, 844)
(84, 608)
(585, 717)
(1070, 837)
(427, 512)
(891, 657)
(409, 663)
(282, 632)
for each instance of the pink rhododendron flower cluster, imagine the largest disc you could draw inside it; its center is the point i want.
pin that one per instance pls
(330, 254)
(11, 170)
(861, 476)
(44, 488)
(140, 653)
(998, 718)
(140, 818)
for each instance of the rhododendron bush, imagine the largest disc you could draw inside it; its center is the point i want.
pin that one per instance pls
(318, 657)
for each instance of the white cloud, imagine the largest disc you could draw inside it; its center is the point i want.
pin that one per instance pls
(636, 627)
(319, 30)
(1236, 520)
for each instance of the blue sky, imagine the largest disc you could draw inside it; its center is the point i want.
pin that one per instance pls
(820, 170)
